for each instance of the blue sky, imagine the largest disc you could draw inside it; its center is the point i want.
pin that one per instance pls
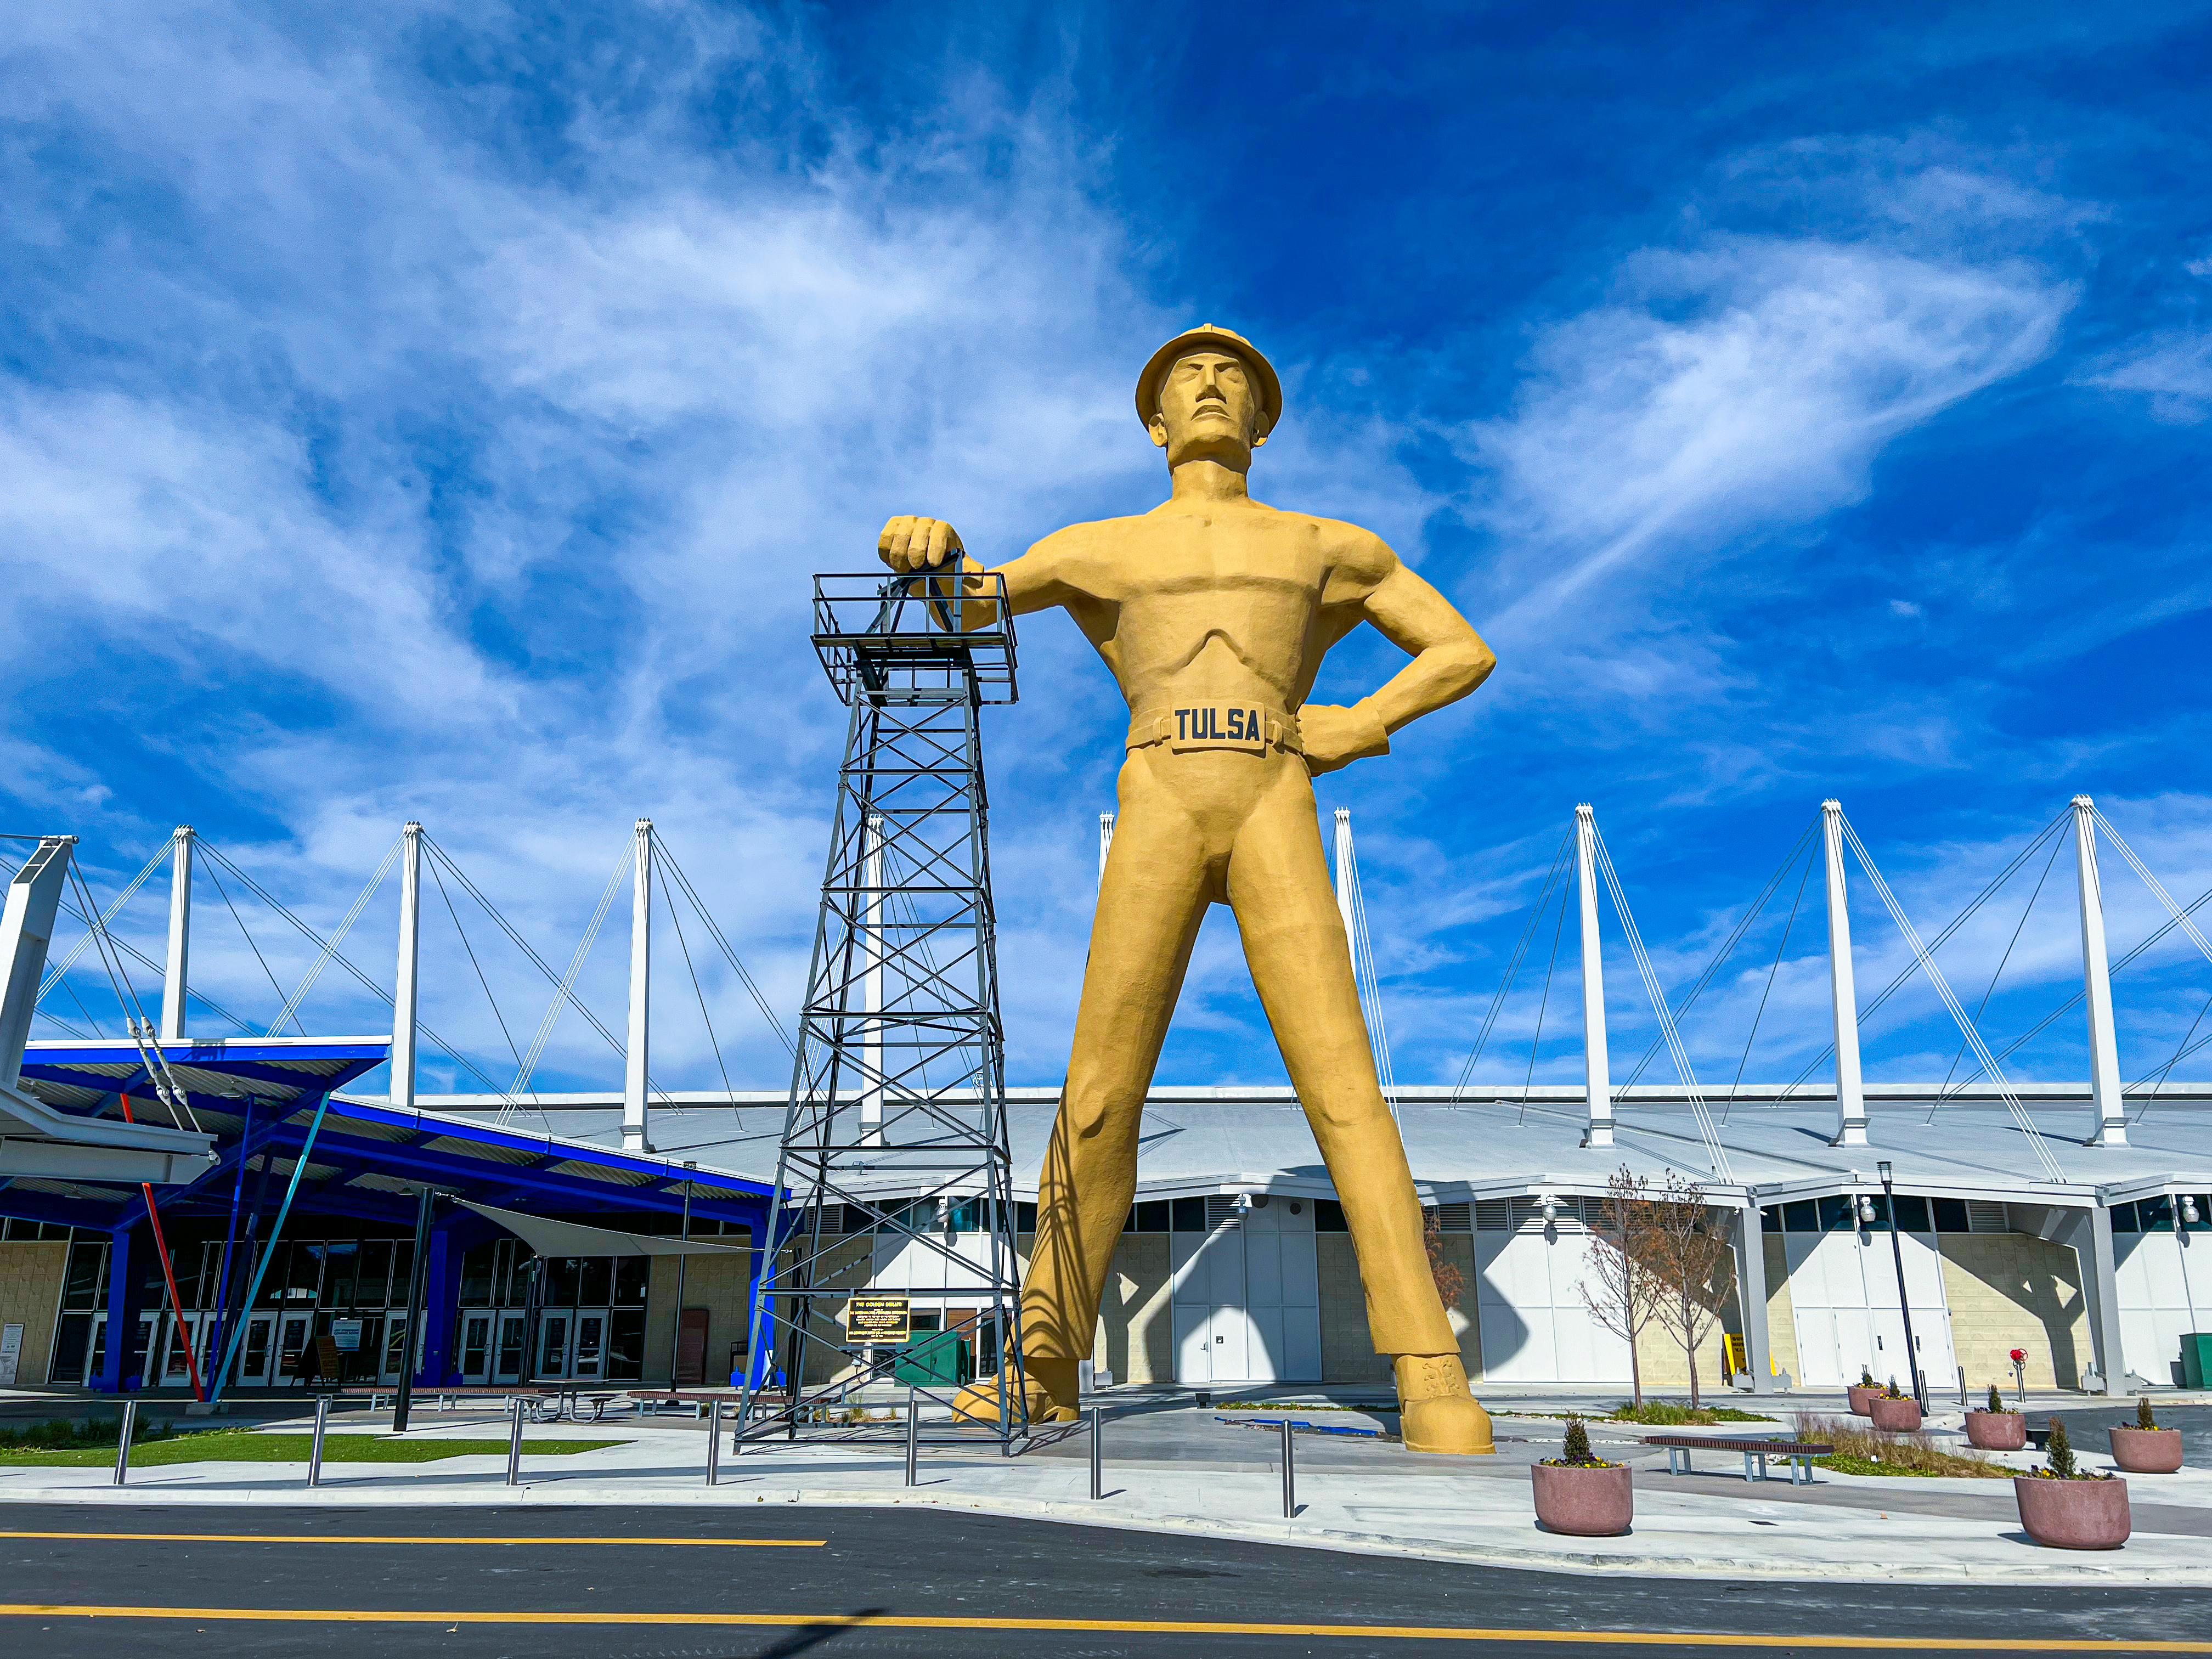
(437, 413)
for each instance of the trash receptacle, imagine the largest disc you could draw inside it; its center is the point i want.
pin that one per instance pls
(934, 1359)
(2196, 1359)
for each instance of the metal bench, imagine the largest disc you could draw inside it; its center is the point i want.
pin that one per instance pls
(1799, 1453)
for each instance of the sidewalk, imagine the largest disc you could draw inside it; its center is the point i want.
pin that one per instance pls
(1187, 1471)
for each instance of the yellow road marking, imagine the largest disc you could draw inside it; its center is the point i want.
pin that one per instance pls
(416, 1538)
(1148, 1626)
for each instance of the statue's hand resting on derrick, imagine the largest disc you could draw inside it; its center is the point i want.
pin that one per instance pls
(1213, 611)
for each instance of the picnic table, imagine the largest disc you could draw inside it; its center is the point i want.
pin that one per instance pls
(548, 1404)
(1799, 1453)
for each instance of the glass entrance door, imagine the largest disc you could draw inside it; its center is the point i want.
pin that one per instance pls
(476, 1346)
(589, 1358)
(253, 1358)
(172, 1368)
(553, 1345)
(291, 1344)
(513, 1333)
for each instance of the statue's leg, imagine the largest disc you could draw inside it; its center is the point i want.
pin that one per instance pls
(1157, 884)
(1301, 963)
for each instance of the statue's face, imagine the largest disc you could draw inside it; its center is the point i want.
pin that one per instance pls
(1209, 409)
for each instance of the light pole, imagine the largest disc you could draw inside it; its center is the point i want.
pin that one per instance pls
(1903, 1302)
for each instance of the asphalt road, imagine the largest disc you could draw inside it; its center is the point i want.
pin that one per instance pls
(551, 1582)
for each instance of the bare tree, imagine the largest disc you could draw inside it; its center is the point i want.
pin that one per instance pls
(1618, 1286)
(1451, 1282)
(1687, 1251)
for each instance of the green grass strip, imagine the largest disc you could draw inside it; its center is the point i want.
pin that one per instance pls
(242, 1446)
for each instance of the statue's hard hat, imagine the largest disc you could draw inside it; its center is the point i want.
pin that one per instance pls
(1207, 336)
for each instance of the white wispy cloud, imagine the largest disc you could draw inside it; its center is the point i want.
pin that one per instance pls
(1729, 392)
(2172, 370)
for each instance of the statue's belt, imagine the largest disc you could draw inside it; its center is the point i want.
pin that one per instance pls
(1249, 728)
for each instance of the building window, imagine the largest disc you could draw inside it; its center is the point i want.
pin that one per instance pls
(1187, 1215)
(84, 1284)
(1328, 1217)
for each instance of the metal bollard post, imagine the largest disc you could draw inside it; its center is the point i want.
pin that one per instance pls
(123, 1441)
(315, 1446)
(913, 1436)
(1289, 1475)
(714, 1442)
(514, 1444)
(1962, 1388)
(1097, 1464)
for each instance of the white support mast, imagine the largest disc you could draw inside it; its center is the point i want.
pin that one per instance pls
(1343, 886)
(26, 927)
(872, 985)
(1105, 843)
(1597, 1069)
(1850, 1088)
(402, 990)
(2097, 984)
(634, 1138)
(180, 934)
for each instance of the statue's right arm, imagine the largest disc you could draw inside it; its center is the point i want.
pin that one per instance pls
(1034, 582)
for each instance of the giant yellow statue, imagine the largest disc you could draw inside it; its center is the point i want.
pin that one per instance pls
(1213, 611)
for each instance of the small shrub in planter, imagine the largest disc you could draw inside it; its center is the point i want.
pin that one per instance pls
(1995, 1427)
(1580, 1493)
(1898, 1413)
(2144, 1448)
(1862, 1392)
(2064, 1507)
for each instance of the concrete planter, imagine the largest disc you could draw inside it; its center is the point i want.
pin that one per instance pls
(1585, 1503)
(2073, 1514)
(1996, 1430)
(2147, 1451)
(1897, 1416)
(1862, 1398)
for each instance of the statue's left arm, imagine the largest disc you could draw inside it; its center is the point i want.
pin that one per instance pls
(1450, 659)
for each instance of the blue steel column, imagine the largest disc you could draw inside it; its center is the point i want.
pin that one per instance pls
(441, 1296)
(122, 1314)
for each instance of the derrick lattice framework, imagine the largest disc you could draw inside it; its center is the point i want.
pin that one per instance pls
(894, 1172)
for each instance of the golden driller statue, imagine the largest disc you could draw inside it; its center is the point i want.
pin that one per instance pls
(1213, 611)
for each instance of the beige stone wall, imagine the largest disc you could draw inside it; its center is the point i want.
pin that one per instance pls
(1347, 1354)
(716, 1282)
(1664, 1365)
(1781, 1311)
(2011, 1291)
(30, 1291)
(1136, 1324)
(1347, 1351)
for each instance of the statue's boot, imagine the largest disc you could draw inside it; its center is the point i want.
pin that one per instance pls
(1438, 1413)
(1048, 1389)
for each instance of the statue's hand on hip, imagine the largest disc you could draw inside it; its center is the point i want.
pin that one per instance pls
(916, 544)
(1334, 737)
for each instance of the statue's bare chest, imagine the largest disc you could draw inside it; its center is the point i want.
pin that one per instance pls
(1232, 561)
